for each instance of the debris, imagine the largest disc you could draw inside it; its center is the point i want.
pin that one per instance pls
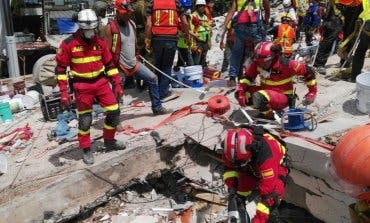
(3, 164)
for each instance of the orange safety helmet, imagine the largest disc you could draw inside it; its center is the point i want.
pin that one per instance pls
(237, 146)
(123, 6)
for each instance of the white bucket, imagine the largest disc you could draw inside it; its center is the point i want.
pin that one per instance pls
(16, 105)
(363, 92)
(30, 99)
(194, 73)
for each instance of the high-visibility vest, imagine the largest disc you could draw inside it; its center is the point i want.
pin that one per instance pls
(350, 2)
(285, 37)
(365, 15)
(203, 30)
(164, 17)
(251, 11)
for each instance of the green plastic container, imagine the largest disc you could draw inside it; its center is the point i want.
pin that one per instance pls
(5, 112)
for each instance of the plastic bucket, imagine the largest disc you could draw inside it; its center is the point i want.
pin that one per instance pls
(5, 112)
(30, 99)
(16, 105)
(363, 92)
(194, 76)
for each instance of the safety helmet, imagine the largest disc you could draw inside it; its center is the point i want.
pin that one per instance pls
(200, 2)
(262, 52)
(186, 3)
(287, 3)
(286, 17)
(87, 19)
(238, 146)
(123, 6)
(100, 8)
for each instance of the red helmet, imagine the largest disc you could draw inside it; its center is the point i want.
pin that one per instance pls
(237, 146)
(123, 6)
(262, 52)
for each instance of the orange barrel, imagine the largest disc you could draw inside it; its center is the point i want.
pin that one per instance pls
(351, 156)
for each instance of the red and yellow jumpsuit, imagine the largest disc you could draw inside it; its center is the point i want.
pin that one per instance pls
(90, 66)
(265, 173)
(276, 88)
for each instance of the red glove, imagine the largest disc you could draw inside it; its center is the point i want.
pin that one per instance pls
(65, 99)
(117, 89)
(195, 21)
(309, 98)
(241, 97)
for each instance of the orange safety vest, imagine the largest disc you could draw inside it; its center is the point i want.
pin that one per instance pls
(164, 17)
(285, 38)
(350, 3)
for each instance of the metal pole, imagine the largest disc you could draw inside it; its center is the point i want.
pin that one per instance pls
(11, 50)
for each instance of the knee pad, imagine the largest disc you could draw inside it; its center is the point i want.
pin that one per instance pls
(259, 101)
(112, 118)
(84, 121)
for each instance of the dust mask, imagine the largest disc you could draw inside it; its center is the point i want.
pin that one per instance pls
(89, 33)
(265, 74)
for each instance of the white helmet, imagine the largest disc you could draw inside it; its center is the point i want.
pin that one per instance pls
(200, 2)
(287, 3)
(87, 19)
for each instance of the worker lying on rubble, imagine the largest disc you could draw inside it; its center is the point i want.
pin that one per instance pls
(255, 170)
(275, 91)
(91, 66)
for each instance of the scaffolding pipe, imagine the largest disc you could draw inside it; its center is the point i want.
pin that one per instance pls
(11, 49)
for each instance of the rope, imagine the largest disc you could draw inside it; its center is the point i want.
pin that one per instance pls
(171, 78)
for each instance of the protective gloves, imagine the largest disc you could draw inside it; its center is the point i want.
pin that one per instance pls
(117, 89)
(241, 97)
(65, 99)
(309, 98)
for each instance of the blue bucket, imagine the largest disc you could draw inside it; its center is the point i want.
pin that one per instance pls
(5, 112)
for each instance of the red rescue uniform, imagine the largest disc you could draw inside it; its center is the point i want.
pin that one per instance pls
(90, 65)
(265, 174)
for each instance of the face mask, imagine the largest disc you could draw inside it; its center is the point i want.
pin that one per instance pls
(89, 33)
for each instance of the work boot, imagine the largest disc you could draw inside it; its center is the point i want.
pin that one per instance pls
(161, 111)
(88, 156)
(232, 82)
(112, 144)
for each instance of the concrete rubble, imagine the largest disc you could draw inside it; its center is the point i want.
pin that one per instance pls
(176, 180)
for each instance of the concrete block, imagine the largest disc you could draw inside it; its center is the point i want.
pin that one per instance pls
(134, 219)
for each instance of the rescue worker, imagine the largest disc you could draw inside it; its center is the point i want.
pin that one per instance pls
(289, 9)
(255, 170)
(311, 21)
(227, 47)
(331, 27)
(100, 8)
(201, 31)
(248, 26)
(276, 78)
(351, 9)
(364, 42)
(284, 34)
(184, 57)
(120, 37)
(91, 67)
(161, 34)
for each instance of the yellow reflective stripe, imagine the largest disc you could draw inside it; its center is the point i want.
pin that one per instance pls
(275, 83)
(157, 17)
(247, 94)
(265, 94)
(230, 174)
(89, 74)
(297, 67)
(81, 132)
(86, 59)
(288, 92)
(62, 77)
(108, 127)
(244, 81)
(112, 72)
(114, 42)
(110, 108)
(244, 193)
(84, 112)
(262, 208)
(311, 82)
(171, 18)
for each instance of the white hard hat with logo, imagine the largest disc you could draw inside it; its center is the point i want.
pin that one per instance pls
(200, 2)
(87, 19)
(287, 3)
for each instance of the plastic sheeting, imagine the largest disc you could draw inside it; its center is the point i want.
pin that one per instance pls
(66, 25)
